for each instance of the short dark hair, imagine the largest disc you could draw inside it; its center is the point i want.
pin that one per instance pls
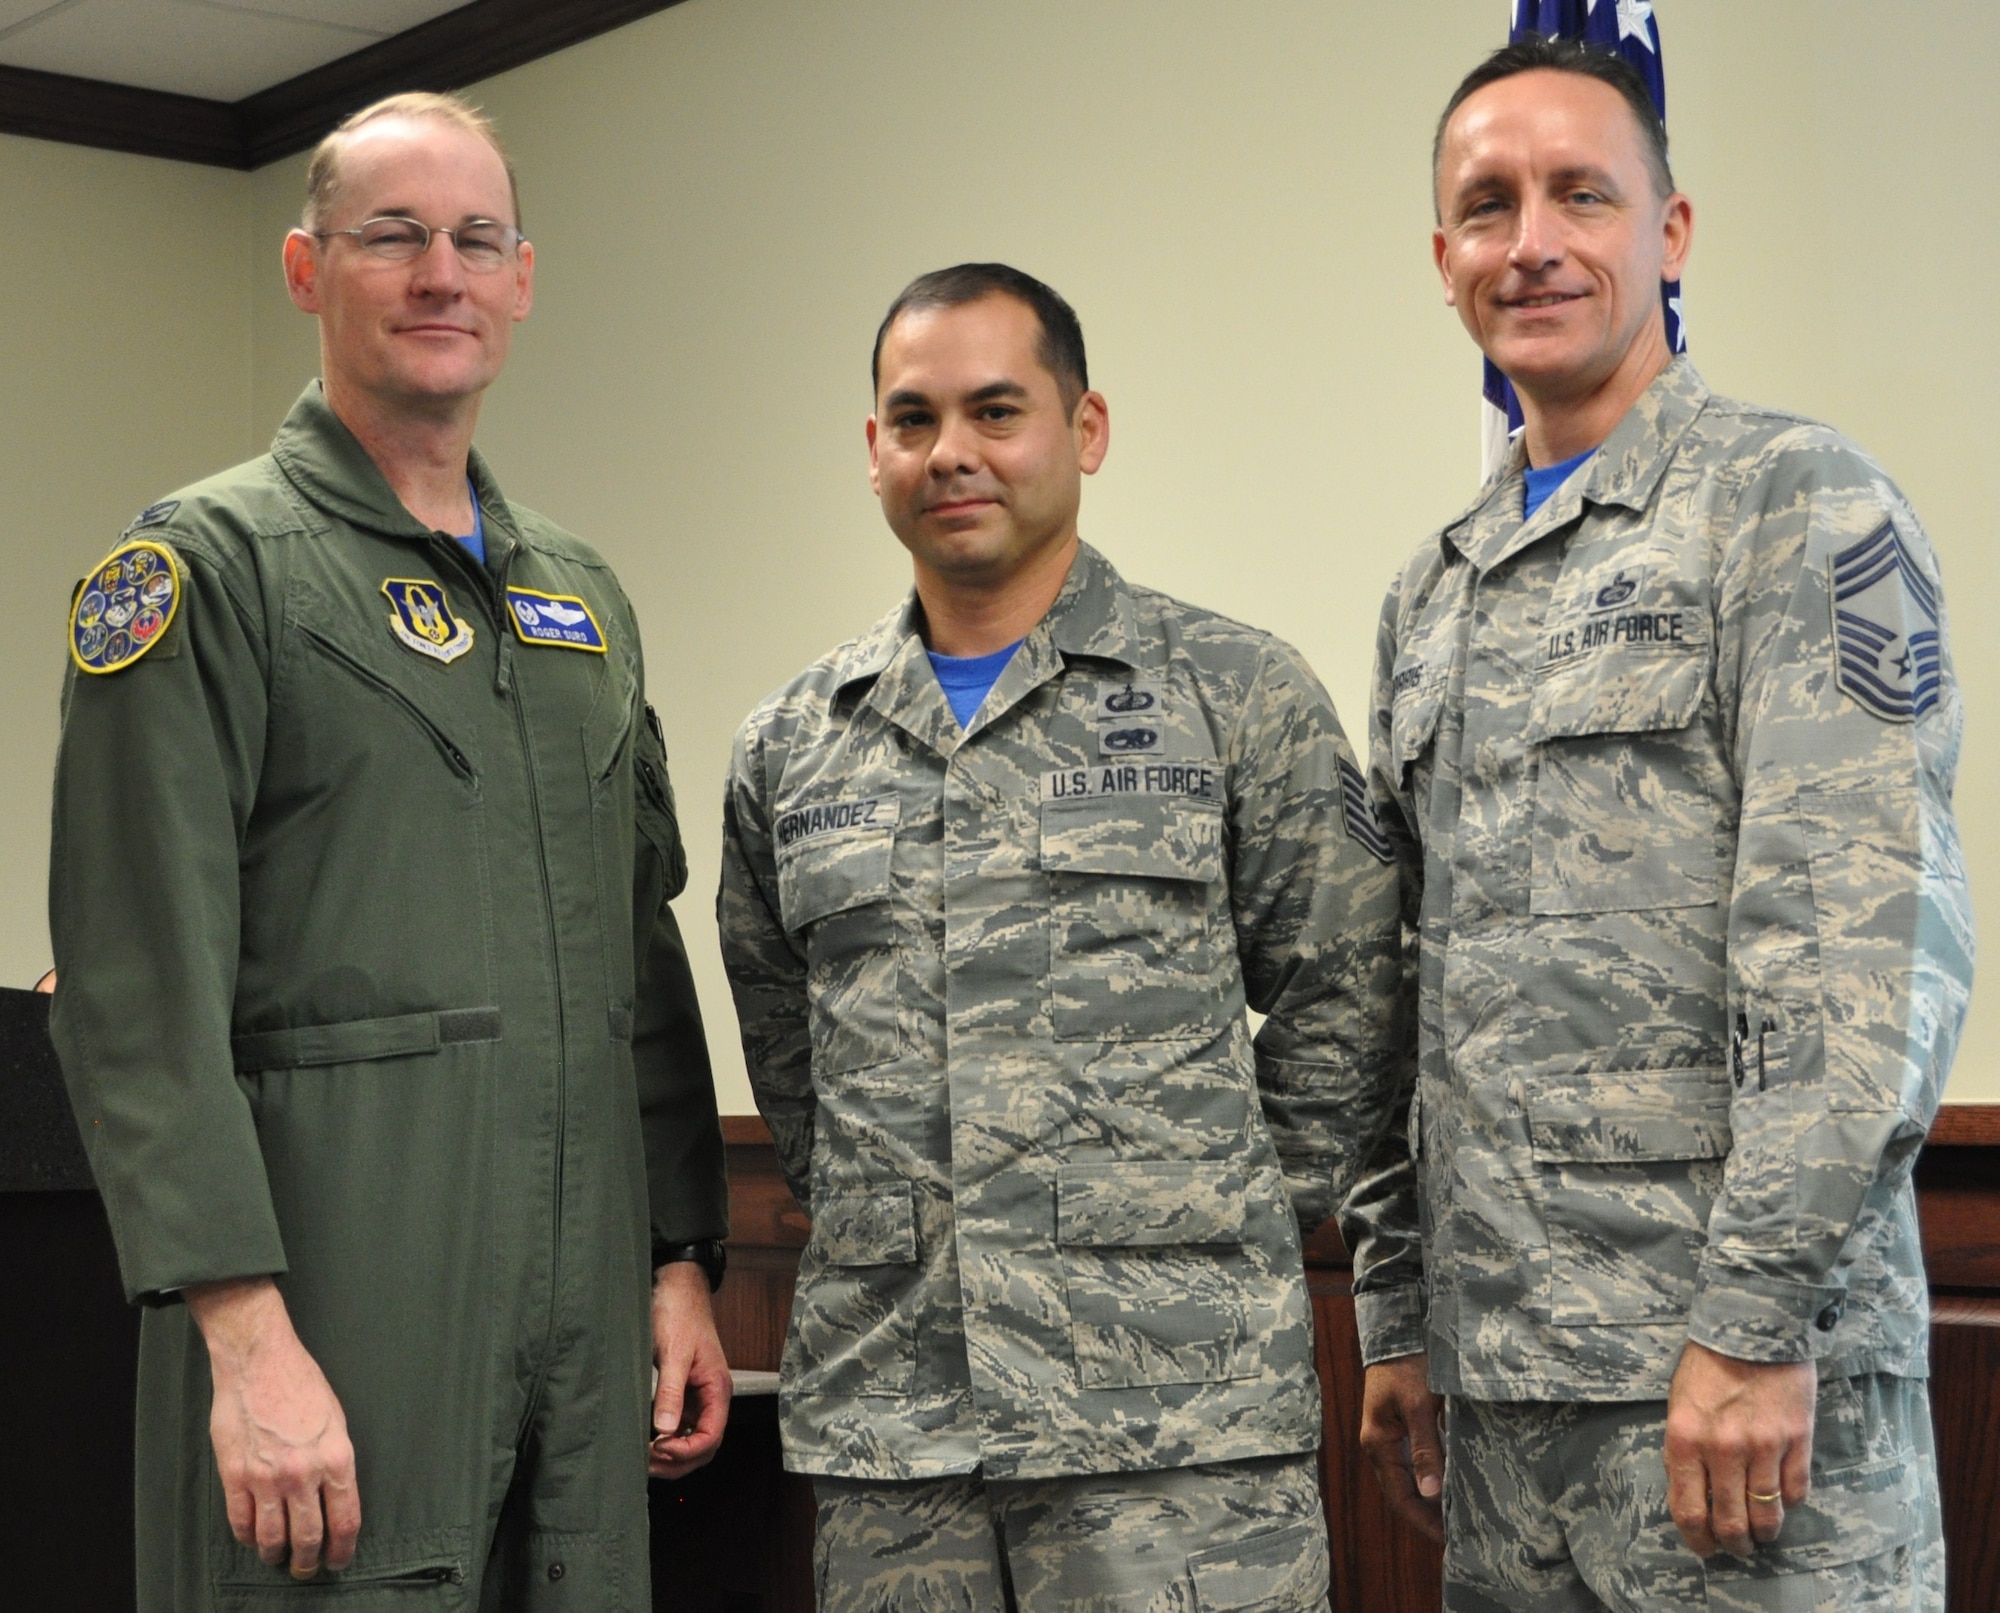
(1061, 346)
(1566, 56)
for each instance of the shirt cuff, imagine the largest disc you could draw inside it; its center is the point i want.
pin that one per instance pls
(1752, 1317)
(1391, 1323)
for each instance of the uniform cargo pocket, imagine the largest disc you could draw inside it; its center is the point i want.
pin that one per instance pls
(1282, 1571)
(1153, 1261)
(1629, 1165)
(854, 1328)
(1851, 1516)
(1626, 813)
(1132, 949)
(835, 889)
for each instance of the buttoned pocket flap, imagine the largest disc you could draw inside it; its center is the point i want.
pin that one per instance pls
(1283, 1569)
(1132, 1204)
(830, 871)
(875, 1228)
(1631, 1116)
(1134, 836)
(1623, 691)
(1413, 718)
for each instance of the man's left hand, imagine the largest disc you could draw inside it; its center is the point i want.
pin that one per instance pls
(691, 1404)
(1739, 1448)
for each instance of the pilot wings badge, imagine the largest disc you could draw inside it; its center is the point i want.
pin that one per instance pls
(423, 620)
(1889, 654)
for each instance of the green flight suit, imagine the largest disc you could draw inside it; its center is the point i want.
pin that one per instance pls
(368, 980)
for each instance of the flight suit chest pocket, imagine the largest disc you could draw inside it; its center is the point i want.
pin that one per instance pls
(834, 893)
(1627, 809)
(1134, 883)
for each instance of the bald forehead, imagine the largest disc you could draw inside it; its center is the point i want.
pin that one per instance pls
(376, 163)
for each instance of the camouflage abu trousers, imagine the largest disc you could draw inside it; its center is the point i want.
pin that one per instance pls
(1562, 1508)
(1224, 1538)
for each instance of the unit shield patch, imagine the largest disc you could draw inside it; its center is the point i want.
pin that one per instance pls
(1889, 655)
(559, 619)
(124, 607)
(423, 620)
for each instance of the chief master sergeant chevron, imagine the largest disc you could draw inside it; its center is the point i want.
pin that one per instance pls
(999, 879)
(1665, 729)
(372, 1009)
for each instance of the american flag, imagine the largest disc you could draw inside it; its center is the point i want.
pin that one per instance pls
(1629, 28)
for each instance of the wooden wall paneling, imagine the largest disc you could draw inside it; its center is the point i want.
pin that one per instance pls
(1965, 1410)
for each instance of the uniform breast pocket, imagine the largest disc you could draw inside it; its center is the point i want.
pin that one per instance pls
(1629, 1165)
(1627, 811)
(1413, 722)
(834, 890)
(1154, 1264)
(1134, 882)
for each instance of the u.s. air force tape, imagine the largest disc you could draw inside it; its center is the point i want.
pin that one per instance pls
(124, 607)
(1192, 781)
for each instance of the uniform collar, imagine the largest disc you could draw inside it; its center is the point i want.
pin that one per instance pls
(327, 464)
(1624, 473)
(1092, 617)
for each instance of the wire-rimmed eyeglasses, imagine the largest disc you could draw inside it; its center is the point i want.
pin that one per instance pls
(483, 245)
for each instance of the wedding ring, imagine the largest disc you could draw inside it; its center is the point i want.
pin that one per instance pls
(1765, 1499)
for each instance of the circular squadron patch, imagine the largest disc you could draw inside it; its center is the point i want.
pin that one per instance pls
(124, 607)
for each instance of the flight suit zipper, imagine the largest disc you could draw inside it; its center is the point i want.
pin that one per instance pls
(455, 757)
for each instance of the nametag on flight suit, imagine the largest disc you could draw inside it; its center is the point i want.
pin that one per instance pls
(1127, 717)
(124, 607)
(559, 619)
(423, 618)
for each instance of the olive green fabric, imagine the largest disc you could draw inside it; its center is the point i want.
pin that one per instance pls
(368, 981)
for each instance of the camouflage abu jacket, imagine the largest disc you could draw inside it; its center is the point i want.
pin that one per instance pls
(1668, 769)
(992, 990)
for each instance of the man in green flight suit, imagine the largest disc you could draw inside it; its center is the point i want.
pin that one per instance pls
(1000, 879)
(376, 1021)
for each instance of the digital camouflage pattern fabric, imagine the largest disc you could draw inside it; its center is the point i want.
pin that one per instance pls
(369, 982)
(992, 989)
(1694, 939)
(1234, 1537)
(1561, 1507)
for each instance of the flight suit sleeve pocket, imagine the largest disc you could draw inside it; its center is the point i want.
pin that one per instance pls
(1282, 1569)
(1134, 884)
(1129, 1205)
(1154, 1268)
(1628, 1166)
(835, 890)
(875, 1228)
(1626, 814)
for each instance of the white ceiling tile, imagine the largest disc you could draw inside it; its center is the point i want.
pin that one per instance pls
(221, 53)
(377, 16)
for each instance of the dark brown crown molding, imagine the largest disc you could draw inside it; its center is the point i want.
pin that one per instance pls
(447, 53)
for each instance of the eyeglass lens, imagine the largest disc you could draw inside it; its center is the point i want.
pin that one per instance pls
(480, 246)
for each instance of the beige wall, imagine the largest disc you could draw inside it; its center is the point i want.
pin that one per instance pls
(725, 195)
(124, 371)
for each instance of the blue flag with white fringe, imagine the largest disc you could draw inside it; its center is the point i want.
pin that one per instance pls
(1628, 28)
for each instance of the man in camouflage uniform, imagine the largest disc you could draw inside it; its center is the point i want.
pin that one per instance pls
(999, 879)
(1667, 763)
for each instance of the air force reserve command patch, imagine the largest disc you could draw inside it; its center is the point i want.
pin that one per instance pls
(124, 607)
(423, 620)
(1885, 624)
(559, 619)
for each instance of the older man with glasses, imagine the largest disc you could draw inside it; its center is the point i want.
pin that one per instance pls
(375, 1017)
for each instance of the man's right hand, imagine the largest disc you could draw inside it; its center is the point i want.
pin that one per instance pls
(280, 1436)
(1399, 1431)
